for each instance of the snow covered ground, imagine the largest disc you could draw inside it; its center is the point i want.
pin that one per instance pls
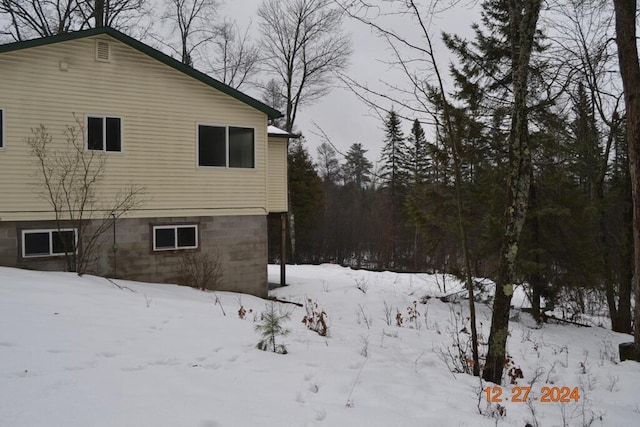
(79, 351)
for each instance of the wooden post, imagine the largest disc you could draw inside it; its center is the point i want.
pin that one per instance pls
(283, 248)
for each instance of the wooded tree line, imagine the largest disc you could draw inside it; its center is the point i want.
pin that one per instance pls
(401, 216)
(536, 108)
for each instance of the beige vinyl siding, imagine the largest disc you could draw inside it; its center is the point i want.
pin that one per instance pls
(277, 175)
(160, 108)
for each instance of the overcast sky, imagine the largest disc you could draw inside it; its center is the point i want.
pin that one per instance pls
(341, 115)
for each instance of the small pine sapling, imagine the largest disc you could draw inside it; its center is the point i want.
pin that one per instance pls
(270, 328)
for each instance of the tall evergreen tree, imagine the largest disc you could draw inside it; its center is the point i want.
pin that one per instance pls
(394, 155)
(416, 162)
(416, 168)
(356, 237)
(332, 228)
(306, 201)
(393, 176)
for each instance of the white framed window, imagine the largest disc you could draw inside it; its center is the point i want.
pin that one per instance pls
(49, 242)
(2, 126)
(104, 133)
(172, 237)
(226, 146)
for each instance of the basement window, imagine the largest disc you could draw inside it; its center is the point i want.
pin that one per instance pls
(172, 237)
(104, 133)
(51, 242)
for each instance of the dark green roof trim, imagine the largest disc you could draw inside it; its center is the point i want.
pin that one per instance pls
(147, 50)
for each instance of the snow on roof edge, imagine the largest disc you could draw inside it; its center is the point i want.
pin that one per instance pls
(276, 131)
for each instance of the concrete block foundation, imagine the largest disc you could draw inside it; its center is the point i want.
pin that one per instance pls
(240, 243)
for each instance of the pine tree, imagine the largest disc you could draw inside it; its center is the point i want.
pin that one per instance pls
(270, 328)
(329, 171)
(416, 163)
(394, 154)
(416, 167)
(355, 237)
(306, 202)
(394, 180)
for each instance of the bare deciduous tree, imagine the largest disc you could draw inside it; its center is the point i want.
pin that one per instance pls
(119, 14)
(68, 179)
(27, 19)
(586, 39)
(273, 95)
(328, 165)
(234, 58)
(191, 20)
(304, 46)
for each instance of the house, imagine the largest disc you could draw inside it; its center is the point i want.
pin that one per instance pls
(211, 168)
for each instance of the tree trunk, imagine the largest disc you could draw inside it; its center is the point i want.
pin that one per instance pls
(626, 277)
(98, 13)
(523, 19)
(536, 281)
(625, 11)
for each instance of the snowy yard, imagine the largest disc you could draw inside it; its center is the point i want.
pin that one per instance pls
(79, 351)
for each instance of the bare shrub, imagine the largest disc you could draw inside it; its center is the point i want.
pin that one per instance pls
(363, 318)
(68, 179)
(387, 313)
(398, 318)
(413, 314)
(608, 352)
(200, 269)
(362, 284)
(217, 301)
(513, 372)
(242, 312)
(364, 340)
(458, 356)
(315, 319)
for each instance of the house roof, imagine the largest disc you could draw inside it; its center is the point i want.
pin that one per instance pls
(280, 133)
(147, 50)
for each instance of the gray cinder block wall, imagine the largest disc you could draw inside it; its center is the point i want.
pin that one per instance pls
(240, 242)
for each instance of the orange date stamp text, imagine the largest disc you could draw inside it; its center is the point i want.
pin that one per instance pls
(521, 394)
